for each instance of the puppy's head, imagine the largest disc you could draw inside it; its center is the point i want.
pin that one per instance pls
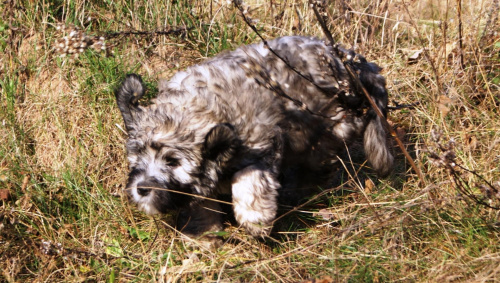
(174, 158)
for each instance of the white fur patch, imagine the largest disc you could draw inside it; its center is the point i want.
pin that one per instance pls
(144, 203)
(176, 81)
(254, 198)
(155, 170)
(182, 174)
(133, 189)
(147, 207)
(263, 51)
(343, 130)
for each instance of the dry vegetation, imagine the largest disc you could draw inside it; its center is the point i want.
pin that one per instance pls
(62, 160)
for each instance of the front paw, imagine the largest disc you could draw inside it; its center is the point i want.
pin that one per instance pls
(259, 230)
(255, 194)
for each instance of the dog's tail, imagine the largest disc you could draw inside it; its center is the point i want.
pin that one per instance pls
(376, 148)
(375, 141)
(127, 97)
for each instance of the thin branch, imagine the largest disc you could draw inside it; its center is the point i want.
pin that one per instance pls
(187, 194)
(321, 20)
(398, 106)
(168, 31)
(461, 45)
(444, 156)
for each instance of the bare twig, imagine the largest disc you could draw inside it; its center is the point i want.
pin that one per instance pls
(460, 42)
(444, 156)
(72, 40)
(268, 83)
(398, 106)
(167, 31)
(187, 194)
(489, 191)
(321, 20)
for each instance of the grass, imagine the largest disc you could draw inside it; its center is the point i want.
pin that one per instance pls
(62, 157)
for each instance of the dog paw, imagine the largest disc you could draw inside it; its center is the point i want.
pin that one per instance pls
(257, 229)
(254, 199)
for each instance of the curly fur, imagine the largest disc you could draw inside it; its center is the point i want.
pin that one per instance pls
(220, 128)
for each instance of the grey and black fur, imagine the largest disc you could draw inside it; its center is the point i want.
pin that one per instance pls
(219, 128)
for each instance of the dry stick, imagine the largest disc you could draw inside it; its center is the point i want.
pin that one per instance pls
(398, 106)
(183, 193)
(459, 11)
(379, 113)
(461, 185)
(327, 32)
(170, 31)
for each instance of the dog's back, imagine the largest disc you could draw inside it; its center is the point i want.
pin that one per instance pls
(306, 70)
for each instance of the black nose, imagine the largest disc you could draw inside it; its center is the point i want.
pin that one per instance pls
(143, 192)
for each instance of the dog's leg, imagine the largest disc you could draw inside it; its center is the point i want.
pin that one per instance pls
(199, 218)
(255, 192)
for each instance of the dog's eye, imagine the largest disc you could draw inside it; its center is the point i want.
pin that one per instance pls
(172, 161)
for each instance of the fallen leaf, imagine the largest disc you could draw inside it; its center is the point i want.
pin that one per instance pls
(138, 234)
(369, 185)
(471, 141)
(113, 247)
(415, 56)
(85, 269)
(4, 194)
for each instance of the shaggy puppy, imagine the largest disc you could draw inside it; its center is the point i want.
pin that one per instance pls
(253, 123)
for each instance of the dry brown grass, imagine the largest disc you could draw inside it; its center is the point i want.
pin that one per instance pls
(62, 157)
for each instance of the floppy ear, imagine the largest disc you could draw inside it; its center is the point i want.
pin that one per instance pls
(221, 143)
(127, 98)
